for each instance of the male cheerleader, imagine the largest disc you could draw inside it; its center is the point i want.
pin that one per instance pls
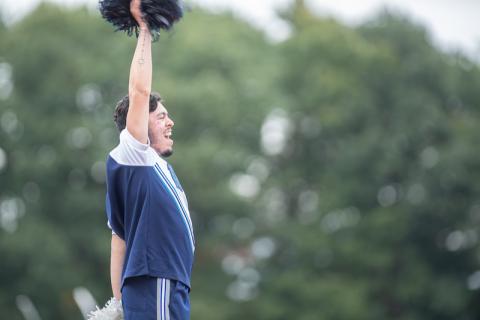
(152, 237)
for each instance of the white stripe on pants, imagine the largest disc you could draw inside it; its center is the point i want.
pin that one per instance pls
(163, 299)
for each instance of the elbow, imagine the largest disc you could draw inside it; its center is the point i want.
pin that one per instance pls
(139, 92)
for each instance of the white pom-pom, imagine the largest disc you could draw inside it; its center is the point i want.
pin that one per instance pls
(111, 311)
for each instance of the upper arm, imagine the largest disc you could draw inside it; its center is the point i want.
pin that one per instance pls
(112, 216)
(118, 244)
(138, 113)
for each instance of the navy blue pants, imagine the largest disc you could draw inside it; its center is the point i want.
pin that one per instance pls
(149, 298)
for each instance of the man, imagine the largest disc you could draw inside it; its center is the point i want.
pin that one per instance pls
(152, 237)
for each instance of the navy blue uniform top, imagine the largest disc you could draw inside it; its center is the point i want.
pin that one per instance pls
(147, 208)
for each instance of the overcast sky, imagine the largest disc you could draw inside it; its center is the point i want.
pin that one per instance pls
(454, 24)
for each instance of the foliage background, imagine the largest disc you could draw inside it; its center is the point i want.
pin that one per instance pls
(330, 176)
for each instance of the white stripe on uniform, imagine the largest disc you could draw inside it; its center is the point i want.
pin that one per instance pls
(163, 299)
(183, 212)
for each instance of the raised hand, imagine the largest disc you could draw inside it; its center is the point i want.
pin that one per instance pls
(137, 13)
(151, 15)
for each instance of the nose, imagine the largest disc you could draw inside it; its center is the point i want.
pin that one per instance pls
(170, 122)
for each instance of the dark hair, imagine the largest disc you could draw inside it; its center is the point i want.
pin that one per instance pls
(121, 110)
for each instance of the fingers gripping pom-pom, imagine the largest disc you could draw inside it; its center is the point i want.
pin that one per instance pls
(158, 14)
(111, 311)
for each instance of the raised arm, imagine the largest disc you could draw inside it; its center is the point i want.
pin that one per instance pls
(140, 82)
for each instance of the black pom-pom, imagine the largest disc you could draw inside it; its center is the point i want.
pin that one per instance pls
(158, 14)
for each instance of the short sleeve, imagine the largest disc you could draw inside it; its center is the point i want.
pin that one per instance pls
(132, 152)
(110, 227)
(114, 220)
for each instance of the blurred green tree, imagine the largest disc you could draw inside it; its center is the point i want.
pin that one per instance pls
(331, 176)
(372, 199)
(69, 69)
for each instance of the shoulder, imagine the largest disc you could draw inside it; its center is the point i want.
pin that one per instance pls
(132, 152)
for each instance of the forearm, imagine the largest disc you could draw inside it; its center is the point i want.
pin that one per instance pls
(140, 86)
(117, 258)
(141, 68)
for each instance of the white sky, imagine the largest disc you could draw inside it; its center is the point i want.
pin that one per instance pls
(454, 24)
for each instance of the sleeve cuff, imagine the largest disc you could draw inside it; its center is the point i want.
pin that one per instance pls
(110, 226)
